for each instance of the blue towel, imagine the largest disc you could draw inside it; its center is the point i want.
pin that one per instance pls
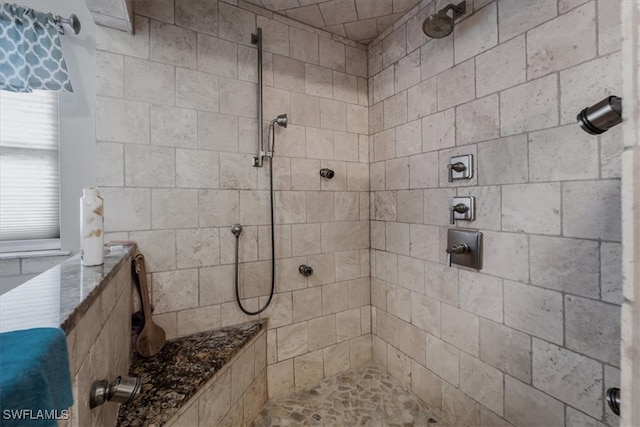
(35, 382)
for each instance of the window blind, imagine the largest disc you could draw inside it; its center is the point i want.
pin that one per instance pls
(29, 166)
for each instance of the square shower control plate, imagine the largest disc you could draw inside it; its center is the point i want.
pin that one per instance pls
(469, 202)
(467, 161)
(473, 239)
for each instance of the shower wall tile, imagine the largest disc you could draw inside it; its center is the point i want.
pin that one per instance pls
(609, 34)
(436, 56)
(505, 87)
(308, 369)
(332, 55)
(551, 258)
(533, 310)
(235, 24)
(200, 17)
(196, 90)
(174, 208)
(173, 127)
(550, 361)
(336, 358)
(516, 18)
(458, 407)
(288, 74)
(160, 160)
(303, 45)
(611, 272)
(110, 172)
(502, 67)
(597, 214)
(159, 248)
(407, 71)
(133, 206)
(172, 45)
(395, 110)
(550, 47)
(547, 163)
(506, 349)
(149, 81)
(292, 340)
(483, 382)
(524, 403)
(109, 74)
(601, 76)
(531, 208)
(456, 86)
(503, 161)
(593, 328)
(118, 120)
(481, 294)
(422, 99)
(538, 112)
(477, 33)
(460, 329)
(477, 120)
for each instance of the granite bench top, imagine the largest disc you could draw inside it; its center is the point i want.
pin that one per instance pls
(59, 297)
(170, 378)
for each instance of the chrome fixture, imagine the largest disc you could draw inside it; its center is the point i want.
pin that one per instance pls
(613, 399)
(281, 121)
(600, 117)
(236, 229)
(460, 167)
(257, 40)
(464, 247)
(72, 22)
(440, 24)
(305, 270)
(122, 390)
(462, 208)
(327, 173)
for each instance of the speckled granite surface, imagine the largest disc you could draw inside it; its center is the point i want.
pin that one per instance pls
(60, 296)
(171, 377)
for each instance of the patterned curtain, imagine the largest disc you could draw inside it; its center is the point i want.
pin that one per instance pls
(30, 51)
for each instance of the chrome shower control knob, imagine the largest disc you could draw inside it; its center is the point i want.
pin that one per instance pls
(305, 270)
(457, 248)
(460, 208)
(458, 167)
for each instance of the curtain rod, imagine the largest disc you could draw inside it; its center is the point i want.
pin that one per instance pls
(72, 22)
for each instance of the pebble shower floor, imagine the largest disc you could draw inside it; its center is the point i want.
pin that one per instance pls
(366, 396)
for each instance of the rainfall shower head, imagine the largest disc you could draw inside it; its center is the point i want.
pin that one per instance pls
(440, 24)
(281, 120)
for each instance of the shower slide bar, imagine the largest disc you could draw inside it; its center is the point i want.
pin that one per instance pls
(257, 160)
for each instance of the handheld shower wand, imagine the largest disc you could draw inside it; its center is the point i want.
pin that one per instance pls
(281, 120)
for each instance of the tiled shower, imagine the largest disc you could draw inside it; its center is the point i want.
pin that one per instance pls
(530, 339)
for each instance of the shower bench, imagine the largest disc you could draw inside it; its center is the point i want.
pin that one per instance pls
(212, 378)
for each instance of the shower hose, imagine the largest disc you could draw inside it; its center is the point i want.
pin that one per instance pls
(273, 251)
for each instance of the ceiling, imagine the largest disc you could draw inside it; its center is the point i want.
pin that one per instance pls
(358, 20)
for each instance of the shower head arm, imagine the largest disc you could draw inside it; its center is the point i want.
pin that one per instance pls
(458, 10)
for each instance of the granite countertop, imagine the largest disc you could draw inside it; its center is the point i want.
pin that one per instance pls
(171, 377)
(60, 296)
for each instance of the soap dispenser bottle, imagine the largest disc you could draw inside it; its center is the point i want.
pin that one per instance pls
(91, 227)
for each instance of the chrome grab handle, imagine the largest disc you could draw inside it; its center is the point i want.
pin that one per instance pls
(457, 248)
(457, 166)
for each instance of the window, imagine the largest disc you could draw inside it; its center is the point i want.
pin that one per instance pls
(29, 171)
